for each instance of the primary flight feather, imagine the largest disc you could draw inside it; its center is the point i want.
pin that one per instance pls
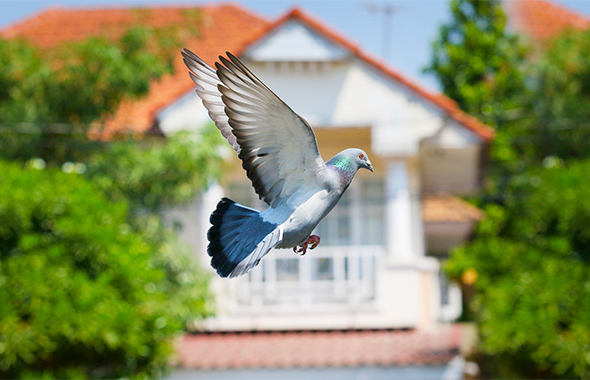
(280, 154)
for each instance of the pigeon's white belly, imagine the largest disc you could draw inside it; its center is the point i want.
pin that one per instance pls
(300, 224)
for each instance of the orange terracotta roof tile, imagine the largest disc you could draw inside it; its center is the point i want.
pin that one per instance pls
(439, 100)
(224, 28)
(542, 20)
(448, 209)
(307, 349)
(221, 28)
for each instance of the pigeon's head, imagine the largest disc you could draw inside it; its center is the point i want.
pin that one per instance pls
(357, 158)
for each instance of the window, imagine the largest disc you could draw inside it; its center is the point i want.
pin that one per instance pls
(323, 269)
(342, 270)
(444, 288)
(372, 200)
(243, 193)
(287, 269)
(359, 217)
(335, 228)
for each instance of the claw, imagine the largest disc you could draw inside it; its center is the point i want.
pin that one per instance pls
(312, 241)
(300, 249)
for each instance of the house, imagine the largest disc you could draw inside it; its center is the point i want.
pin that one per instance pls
(378, 265)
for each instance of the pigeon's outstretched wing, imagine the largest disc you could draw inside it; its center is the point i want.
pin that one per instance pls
(278, 148)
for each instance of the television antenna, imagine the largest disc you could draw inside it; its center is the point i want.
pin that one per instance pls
(387, 10)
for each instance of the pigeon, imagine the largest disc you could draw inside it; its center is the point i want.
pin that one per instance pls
(280, 155)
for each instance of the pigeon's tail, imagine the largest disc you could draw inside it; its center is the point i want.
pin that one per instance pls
(239, 238)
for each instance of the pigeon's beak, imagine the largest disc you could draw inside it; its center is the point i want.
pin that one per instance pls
(369, 166)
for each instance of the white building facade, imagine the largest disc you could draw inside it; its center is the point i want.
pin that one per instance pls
(378, 264)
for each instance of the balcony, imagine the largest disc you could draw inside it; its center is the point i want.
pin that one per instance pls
(332, 278)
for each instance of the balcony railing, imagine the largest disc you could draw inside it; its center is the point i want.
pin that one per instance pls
(337, 277)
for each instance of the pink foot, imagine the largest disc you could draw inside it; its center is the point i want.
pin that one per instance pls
(312, 241)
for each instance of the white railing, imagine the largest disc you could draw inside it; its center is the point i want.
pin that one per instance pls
(339, 277)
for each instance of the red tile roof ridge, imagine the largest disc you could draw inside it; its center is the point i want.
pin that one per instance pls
(123, 7)
(545, 19)
(12, 29)
(16, 27)
(440, 100)
(141, 112)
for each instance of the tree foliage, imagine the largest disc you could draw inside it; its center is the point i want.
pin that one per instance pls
(530, 252)
(92, 284)
(83, 294)
(50, 98)
(478, 64)
(532, 257)
(561, 83)
(483, 68)
(156, 173)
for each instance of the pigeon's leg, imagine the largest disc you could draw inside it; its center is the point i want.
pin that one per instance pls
(312, 241)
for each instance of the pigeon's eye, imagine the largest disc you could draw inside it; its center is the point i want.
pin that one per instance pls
(362, 156)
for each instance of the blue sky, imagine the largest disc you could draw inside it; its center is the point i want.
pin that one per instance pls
(414, 23)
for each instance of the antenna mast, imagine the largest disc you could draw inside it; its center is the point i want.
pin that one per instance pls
(387, 10)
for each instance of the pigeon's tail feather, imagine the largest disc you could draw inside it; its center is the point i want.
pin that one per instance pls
(239, 238)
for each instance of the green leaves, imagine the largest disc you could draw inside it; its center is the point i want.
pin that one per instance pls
(39, 86)
(92, 284)
(83, 293)
(50, 98)
(532, 257)
(156, 173)
(562, 103)
(477, 63)
(531, 252)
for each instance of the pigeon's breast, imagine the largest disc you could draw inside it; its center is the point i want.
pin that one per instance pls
(306, 217)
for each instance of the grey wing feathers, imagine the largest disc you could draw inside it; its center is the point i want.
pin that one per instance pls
(206, 80)
(277, 147)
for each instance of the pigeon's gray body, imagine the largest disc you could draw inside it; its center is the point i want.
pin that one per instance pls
(308, 207)
(279, 152)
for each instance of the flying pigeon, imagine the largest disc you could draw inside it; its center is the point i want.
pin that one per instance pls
(280, 154)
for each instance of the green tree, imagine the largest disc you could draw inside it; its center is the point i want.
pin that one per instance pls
(561, 83)
(83, 294)
(532, 257)
(478, 64)
(50, 98)
(157, 173)
(95, 286)
(40, 117)
(530, 252)
(482, 68)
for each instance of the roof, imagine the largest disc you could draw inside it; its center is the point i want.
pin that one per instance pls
(448, 209)
(226, 27)
(448, 106)
(347, 348)
(542, 20)
(221, 28)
